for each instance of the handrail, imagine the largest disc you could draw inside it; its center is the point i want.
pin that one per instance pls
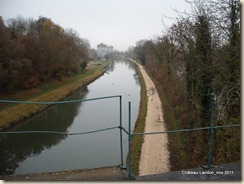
(122, 166)
(186, 130)
(58, 102)
(60, 133)
(211, 127)
(122, 129)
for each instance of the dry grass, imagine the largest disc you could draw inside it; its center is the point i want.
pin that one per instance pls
(137, 141)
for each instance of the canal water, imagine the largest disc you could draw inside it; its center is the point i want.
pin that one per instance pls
(36, 153)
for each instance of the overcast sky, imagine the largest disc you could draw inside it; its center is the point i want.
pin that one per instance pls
(114, 22)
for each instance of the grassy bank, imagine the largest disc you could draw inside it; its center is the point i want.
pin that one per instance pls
(54, 91)
(137, 141)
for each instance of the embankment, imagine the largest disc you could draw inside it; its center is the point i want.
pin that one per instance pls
(17, 113)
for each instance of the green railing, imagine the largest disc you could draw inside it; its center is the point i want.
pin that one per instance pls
(122, 166)
(210, 128)
(122, 129)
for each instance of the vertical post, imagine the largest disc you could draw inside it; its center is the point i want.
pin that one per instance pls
(129, 165)
(121, 135)
(209, 165)
(130, 177)
(211, 134)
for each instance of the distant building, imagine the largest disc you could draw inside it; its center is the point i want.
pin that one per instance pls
(110, 49)
(103, 50)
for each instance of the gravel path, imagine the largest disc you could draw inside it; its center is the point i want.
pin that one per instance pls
(155, 154)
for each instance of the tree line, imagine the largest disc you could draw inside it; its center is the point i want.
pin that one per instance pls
(195, 60)
(38, 51)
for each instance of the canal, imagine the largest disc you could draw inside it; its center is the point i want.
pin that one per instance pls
(36, 153)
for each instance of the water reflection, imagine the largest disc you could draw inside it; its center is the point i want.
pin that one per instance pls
(17, 147)
(129, 64)
(42, 153)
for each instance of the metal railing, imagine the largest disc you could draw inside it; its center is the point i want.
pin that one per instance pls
(122, 129)
(210, 128)
(122, 166)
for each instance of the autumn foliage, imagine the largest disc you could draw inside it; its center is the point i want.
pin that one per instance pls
(37, 51)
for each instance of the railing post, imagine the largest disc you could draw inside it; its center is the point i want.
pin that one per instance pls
(121, 166)
(130, 176)
(209, 165)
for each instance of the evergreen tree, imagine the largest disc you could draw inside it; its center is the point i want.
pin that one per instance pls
(204, 67)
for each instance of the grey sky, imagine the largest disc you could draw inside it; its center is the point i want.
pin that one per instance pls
(114, 22)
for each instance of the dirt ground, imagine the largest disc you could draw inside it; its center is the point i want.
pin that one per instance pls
(97, 174)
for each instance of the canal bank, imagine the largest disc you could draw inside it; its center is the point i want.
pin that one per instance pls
(154, 152)
(20, 112)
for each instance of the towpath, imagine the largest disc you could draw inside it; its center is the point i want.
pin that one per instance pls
(155, 154)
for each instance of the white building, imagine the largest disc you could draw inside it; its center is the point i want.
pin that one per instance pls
(103, 50)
